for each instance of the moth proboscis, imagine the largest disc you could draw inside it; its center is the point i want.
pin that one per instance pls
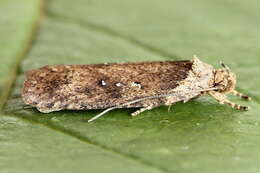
(143, 85)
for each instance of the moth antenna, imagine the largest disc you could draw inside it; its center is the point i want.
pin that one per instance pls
(195, 56)
(142, 99)
(224, 66)
(102, 113)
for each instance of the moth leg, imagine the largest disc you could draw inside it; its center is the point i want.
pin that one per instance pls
(222, 99)
(240, 95)
(142, 110)
(169, 107)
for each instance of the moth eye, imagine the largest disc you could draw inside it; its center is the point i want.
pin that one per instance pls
(218, 83)
(220, 86)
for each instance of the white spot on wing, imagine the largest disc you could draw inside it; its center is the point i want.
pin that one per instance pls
(135, 84)
(119, 84)
(103, 83)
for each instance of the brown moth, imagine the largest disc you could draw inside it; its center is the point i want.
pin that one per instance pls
(145, 85)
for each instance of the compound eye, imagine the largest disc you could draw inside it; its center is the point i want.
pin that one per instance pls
(219, 86)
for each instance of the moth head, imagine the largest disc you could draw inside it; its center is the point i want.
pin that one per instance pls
(225, 80)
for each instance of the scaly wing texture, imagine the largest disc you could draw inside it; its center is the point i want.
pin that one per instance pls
(100, 86)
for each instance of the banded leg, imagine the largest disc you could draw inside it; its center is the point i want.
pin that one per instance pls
(236, 106)
(240, 95)
(221, 98)
(142, 110)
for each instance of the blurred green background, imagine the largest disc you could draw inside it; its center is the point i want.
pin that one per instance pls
(198, 136)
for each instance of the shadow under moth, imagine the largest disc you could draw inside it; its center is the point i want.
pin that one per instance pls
(143, 85)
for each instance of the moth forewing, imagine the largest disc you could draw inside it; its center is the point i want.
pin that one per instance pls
(124, 85)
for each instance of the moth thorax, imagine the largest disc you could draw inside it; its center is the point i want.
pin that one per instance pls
(224, 80)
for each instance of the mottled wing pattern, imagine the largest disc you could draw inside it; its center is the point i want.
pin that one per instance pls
(99, 86)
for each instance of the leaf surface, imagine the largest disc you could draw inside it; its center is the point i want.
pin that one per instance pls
(198, 136)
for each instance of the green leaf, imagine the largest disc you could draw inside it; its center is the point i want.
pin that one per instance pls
(18, 21)
(30, 147)
(198, 136)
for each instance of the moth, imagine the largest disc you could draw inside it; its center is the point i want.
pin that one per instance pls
(143, 85)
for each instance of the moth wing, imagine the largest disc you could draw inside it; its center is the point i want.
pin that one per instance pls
(100, 86)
